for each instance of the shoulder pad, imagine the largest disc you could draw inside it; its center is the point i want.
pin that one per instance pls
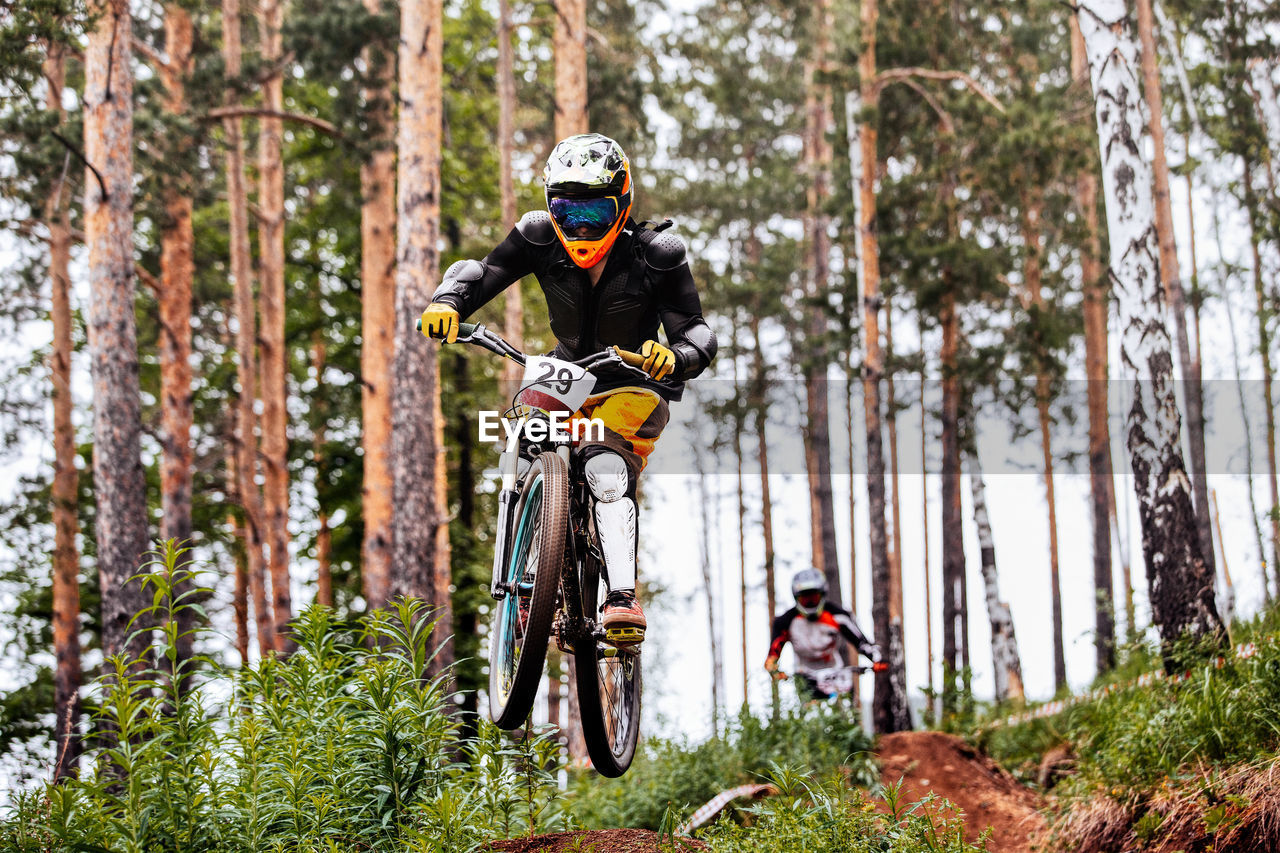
(535, 226)
(664, 251)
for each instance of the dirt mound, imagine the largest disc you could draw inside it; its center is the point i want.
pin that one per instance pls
(948, 767)
(600, 841)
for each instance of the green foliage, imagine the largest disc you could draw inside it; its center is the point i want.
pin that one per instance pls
(673, 773)
(1127, 742)
(344, 745)
(827, 815)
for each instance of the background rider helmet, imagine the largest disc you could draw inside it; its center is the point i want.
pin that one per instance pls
(810, 590)
(588, 185)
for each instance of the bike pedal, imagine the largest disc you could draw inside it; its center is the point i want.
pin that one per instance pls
(624, 635)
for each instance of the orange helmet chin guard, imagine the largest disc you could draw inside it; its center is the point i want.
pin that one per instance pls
(588, 253)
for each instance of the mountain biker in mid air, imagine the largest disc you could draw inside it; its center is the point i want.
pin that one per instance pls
(608, 282)
(814, 627)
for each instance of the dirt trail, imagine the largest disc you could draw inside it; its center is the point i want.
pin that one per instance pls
(950, 768)
(601, 841)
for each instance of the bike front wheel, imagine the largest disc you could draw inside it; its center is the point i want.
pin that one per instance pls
(523, 617)
(608, 688)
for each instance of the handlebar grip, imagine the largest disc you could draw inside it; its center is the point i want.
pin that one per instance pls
(466, 330)
(634, 359)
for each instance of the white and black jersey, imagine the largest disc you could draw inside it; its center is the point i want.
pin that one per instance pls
(816, 639)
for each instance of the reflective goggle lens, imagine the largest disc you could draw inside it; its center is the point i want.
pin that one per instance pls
(809, 599)
(584, 218)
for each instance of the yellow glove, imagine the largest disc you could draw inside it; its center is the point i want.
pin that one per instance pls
(658, 360)
(440, 321)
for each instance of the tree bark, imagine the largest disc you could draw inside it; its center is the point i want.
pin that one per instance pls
(924, 525)
(889, 707)
(275, 423)
(177, 271)
(891, 417)
(377, 322)
(1007, 664)
(113, 343)
(739, 424)
(1229, 591)
(513, 314)
(324, 537)
(953, 565)
(713, 629)
(419, 520)
(760, 402)
(246, 342)
(65, 491)
(1181, 587)
(569, 43)
(1094, 285)
(1032, 207)
(1172, 281)
(240, 588)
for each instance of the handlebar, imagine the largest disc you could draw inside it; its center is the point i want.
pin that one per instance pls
(477, 335)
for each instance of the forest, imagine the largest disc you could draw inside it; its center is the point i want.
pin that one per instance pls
(247, 522)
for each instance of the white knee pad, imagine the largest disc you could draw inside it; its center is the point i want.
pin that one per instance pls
(607, 477)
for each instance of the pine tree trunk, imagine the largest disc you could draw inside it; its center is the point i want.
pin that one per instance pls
(240, 588)
(1181, 587)
(739, 418)
(377, 324)
(1094, 285)
(177, 271)
(570, 47)
(513, 313)
(324, 537)
(246, 341)
(760, 403)
(1007, 664)
(1032, 207)
(275, 424)
(65, 491)
(113, 343)
(851, 117)
(889, 707)
(895, 563)
(1172, 281)
(817, 165)
(707, 587)
(953, 565)
(419, 521)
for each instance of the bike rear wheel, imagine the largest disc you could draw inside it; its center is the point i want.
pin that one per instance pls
(522, 619)
(608, 688)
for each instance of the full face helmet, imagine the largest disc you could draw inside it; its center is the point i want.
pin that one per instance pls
(810, 590)
(588, 179)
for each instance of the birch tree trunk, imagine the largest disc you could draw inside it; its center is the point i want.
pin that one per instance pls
(377, 322)
(569, 43)
(65, 491)
(177, 270)
(419, 521)
(1172, 281)
(1181, 587)
(889, 709)
(1007, 664)
(246, 342)
(113, 343)
(1095, 347)
(275, 424)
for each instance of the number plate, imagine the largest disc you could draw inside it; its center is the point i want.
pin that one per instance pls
(837, 681)
(566, 385)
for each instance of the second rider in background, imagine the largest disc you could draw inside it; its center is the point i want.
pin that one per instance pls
(814, 627)
(608, 282)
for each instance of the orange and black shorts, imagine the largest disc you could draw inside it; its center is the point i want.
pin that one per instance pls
(633, 419)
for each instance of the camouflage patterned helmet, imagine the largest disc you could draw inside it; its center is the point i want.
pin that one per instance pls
(588, 184)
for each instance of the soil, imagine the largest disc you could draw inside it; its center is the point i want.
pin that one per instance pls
(600, 841)
(986, 795)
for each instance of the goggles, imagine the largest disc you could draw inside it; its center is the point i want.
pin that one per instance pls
(809, 598)
(584, 218)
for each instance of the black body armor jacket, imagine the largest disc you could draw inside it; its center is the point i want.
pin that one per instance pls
(646, 282)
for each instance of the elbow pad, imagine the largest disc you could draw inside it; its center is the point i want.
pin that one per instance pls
(696, 349)
(460, 277)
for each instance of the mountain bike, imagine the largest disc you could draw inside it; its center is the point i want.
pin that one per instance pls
(828, 685)
(549, 579)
